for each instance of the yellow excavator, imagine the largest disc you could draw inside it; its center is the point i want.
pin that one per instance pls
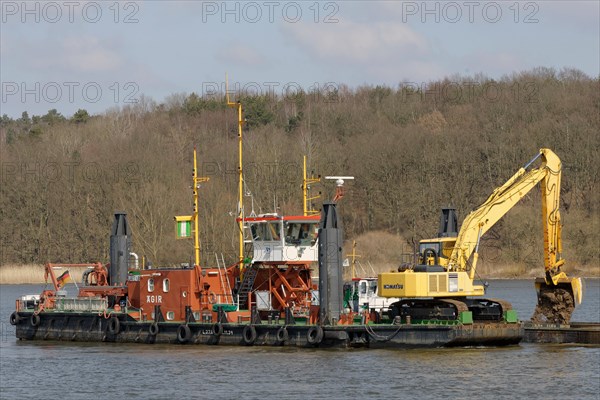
(439, 285)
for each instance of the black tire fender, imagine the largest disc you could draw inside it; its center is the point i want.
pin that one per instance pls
(217, 329)
(114, 326)
(282, 334)
(184, 334)
(314, 335)
(249, 335)
(35, 320)
(153, 329)
(15, 318)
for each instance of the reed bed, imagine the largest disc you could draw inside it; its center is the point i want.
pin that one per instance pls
(13, 274)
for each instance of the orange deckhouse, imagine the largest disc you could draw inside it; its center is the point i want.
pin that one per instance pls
(279, 275)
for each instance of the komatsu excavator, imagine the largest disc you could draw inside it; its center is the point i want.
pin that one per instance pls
(440, 285)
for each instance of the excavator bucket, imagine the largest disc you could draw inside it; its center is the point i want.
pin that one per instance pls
(577, 287)
(557, 300)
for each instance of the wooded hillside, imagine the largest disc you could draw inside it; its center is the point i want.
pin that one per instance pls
(412, 149)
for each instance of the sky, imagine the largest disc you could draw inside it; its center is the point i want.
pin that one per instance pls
(98, 55)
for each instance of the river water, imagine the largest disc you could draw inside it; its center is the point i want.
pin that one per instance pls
(53, 370)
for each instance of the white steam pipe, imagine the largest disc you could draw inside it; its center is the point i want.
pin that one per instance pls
(137, 264)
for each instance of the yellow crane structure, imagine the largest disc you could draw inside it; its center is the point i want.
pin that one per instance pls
(447, 264)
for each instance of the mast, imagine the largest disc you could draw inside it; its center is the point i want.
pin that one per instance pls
(353, 259)
(183, 222)
(238, 105)
(304, 189)
(306, 181)
(196, 181)
(195, 191)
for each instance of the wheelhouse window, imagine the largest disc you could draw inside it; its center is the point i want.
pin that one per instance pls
(300, 233)
(256, 233)
(166, 285)
(274, 229)
(363, 288)
(266, 231)
(373, 287)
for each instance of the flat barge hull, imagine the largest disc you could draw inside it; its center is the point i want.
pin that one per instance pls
(576, 332)
(86, 327)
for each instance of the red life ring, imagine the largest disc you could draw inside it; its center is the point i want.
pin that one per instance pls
(212, 297)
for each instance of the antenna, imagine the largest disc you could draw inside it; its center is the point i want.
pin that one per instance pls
(339, 183)
(339, 180)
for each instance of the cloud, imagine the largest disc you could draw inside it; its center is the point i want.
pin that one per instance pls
(377, 51)
(71, 54)
(363, 43)
(493, 63)
(240, 55)
(89, 54)
(79, 54)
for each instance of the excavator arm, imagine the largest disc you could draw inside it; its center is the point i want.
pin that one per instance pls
(478, 222)
(503, 199)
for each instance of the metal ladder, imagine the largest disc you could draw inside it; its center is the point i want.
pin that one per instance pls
(246, 285)
(225, 287)
(228, 286)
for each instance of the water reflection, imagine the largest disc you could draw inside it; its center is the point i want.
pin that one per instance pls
(82, 370)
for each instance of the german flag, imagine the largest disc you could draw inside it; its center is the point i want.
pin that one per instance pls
(63, 279)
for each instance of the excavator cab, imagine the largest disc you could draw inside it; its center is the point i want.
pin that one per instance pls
(429, 253)
(436, 252)
(433, 254)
